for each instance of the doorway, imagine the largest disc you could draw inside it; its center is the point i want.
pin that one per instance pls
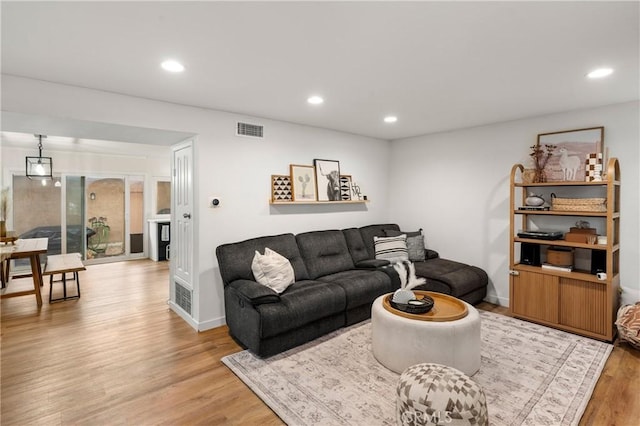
(100, 217)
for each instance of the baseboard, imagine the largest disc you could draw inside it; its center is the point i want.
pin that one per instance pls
(497, 300)
(182, 314)
(212, 323)
(198, 326)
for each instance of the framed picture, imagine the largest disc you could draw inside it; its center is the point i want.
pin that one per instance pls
(327, 179)
(573, 148)
(345, 188)
(303, 182)
(281, 188)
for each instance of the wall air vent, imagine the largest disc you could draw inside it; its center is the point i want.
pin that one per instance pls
(246, 129)
(183, 298)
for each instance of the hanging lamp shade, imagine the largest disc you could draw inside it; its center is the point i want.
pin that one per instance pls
(39, 167)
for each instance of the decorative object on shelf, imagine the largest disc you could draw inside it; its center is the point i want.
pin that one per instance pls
(327, 179)
(540, 159)
(593, 167)
(560, 256)
(534, 200)
(345, 187)
(39, 167)
(356, 191)
(568, 162)
(582, 233)
(281, 188)
(303, 182)
(578, 204)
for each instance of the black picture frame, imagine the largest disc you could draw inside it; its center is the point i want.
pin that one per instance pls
(327, 179)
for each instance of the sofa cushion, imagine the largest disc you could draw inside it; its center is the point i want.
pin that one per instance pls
(459, 277)
(393, 249)
(272, 270)
(361, 286)
(372, 263)
(234, 259)
(324, 252)
(356, 245)
(415, 243)
(302, 303)
(368, 232)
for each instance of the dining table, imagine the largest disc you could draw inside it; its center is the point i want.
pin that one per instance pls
(23, 248)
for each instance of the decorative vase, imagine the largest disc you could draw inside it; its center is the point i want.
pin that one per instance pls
(3, 228)
(540, 176)
(534, 200)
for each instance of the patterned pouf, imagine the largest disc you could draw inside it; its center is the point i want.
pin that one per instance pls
(434, 394)
(628, 323)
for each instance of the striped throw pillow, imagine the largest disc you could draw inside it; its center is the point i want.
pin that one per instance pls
(393, 249)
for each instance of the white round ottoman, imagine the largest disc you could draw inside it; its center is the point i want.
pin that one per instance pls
(436, 394)
(399, 342)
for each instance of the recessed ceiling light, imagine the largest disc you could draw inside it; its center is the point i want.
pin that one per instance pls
(390, 119)
(600, 72)
(172, 66)
(315, 100)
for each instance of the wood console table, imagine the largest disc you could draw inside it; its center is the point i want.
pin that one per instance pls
(31, 248)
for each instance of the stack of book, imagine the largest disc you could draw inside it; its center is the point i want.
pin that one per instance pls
(557, 267)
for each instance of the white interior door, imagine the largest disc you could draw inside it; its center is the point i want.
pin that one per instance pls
(181, 251)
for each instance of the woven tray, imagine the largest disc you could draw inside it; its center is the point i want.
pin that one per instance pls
(579, 204)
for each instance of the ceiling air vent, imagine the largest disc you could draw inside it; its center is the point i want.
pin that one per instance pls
(253, 130)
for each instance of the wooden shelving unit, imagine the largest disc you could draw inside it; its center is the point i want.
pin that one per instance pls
(302, 203)
(575, 301)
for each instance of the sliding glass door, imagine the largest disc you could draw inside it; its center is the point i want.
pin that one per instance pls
(100, 217)
(76, 233)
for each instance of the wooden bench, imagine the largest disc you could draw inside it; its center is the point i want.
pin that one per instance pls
(63, 264)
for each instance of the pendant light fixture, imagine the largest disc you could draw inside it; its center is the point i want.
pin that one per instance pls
(39, 167)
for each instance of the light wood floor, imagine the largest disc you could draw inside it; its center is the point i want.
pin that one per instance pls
(119, 356)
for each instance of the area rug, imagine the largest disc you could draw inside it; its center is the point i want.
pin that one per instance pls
(531, 375)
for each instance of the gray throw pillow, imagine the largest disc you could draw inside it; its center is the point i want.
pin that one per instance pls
(415, 243)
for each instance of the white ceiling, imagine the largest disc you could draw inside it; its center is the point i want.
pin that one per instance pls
(436, 65)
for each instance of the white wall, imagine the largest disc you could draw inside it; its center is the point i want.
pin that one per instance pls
(235, 169)
(455, 185)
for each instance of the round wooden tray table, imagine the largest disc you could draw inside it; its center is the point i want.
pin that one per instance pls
(445, 307)
(449, 334)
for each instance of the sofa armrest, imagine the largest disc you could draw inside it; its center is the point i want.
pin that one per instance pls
(372, 263)
(254, 293)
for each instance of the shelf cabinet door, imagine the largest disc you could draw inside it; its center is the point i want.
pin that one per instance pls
(535, 296)
(583, 305)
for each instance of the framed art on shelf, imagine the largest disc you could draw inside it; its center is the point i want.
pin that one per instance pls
(281, 188)
(345, 188)
(572, 149)
(327, 179)
(303, 182)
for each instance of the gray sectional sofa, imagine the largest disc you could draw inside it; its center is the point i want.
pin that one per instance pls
(336, 280)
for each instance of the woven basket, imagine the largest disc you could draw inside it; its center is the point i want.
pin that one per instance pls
(578, 204)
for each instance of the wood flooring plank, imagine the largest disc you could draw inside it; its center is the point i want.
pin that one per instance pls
(120, 356)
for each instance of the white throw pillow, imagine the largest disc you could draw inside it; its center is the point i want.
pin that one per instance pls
(273, 270)
(393, 249)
